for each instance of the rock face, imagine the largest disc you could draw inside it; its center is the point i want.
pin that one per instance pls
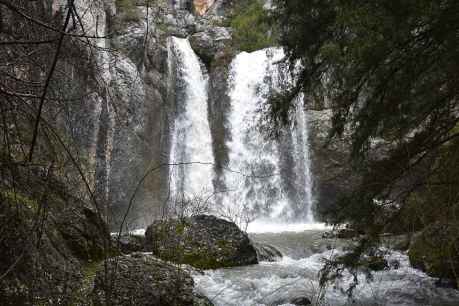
(43, 262)
(84, 233)
(434, 251)
(330, 163)
(209, 42)
(204, 242)
(202, 6)
(144, 280)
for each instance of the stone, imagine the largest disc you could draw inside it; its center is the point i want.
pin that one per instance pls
(142, 279)
(202, 6)
(204, 242)
(297, 301)
(45, 260)
(301, 301)
(266, 252)
(208, 43)
(84, 233)
(128, 244)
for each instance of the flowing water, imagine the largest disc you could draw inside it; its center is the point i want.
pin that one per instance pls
(191, 146)
(269, 179)
(266, 180)
(269, 189)
(296, 275)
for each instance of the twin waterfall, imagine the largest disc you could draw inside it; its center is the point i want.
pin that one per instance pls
(266, 180)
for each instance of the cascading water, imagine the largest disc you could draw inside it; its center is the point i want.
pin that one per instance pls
(191, 146)
(269, 180)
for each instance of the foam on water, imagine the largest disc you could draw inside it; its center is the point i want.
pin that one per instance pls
(277, 282)
(260, 226)
(191, 144)
(270, 178)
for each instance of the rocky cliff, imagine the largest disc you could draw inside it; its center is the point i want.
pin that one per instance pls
(127, 126)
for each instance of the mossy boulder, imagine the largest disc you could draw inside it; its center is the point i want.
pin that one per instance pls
(129, 243)
(46, 241)
(141, 279)
(85, 233)
(37, 267)
(204, 242)
(435, 251)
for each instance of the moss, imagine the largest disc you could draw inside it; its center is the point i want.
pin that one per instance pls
(16, 197)
(204, 261)
(128, 10)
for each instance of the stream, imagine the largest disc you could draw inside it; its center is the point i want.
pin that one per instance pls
(296, 276)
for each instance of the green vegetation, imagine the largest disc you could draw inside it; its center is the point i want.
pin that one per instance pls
(128, 9)
(18, 198)
(253, 28)
(389, 71)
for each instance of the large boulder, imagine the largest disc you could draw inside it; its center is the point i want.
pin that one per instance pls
(129, 243)
(35, 264)
(141, 279)
(84, 232)
(434, 251)
(46, 245)
(204, 242)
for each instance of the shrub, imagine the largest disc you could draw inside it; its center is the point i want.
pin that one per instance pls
(253, 28)
(128, 9)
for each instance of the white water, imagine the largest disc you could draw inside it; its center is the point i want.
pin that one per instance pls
(258, 185)
(296, 275)
(191, 140)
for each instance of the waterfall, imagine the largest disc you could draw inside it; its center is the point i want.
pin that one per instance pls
(269, 180)
(191, 145)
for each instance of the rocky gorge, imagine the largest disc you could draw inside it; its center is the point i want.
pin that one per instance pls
(180, 194)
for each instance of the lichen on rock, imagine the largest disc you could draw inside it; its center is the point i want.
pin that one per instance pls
(204, 242)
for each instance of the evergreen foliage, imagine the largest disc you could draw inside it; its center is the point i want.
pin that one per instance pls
(390, 71)
(253, 29)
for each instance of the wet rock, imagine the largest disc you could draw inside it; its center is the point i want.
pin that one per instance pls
(128, 244)
(141, 279)
(207, 43)
(376, 263)
(297, 301)
(266, 252)
(301, 301)
(204, 242)
(201, 300)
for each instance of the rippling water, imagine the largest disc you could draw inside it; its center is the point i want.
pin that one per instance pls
(296, 275)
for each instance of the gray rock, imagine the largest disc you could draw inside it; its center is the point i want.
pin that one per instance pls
(301, 301)
(45, 261)
(266, 252)
(141, 279)
(207, 43)
(128, 244)
(297, 301)
(204, 242)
